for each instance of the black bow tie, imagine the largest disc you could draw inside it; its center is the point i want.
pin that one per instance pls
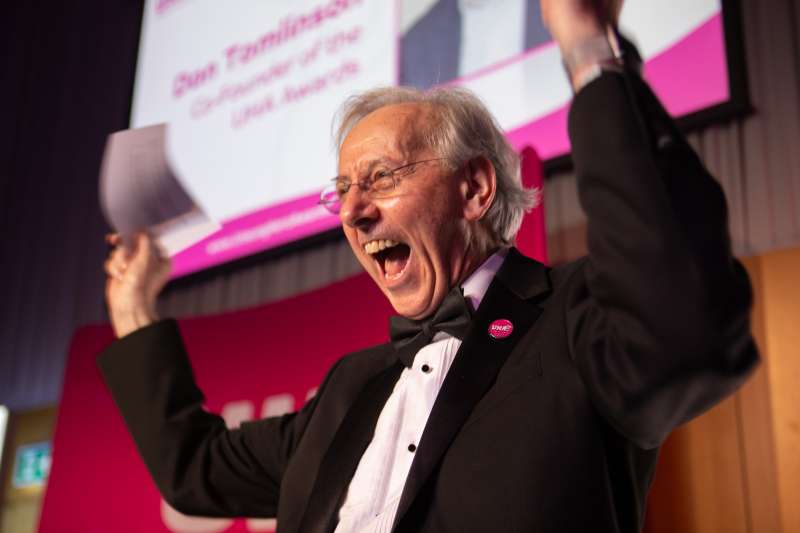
(408, 336)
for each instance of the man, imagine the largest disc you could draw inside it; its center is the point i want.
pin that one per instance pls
(513, 397)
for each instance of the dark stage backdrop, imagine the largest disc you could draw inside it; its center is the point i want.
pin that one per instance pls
(66, 75)
(66, 83)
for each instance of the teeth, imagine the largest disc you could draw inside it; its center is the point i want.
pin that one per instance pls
(373, 247)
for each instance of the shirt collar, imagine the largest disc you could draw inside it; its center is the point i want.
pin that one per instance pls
(476, 285)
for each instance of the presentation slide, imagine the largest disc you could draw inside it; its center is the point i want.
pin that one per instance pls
(244, 93)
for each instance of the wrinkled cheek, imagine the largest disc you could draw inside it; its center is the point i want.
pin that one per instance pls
(388, 203)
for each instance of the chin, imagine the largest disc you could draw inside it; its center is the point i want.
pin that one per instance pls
(415, 306)
(402, 307)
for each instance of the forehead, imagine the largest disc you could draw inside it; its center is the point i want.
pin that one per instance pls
(388, 132)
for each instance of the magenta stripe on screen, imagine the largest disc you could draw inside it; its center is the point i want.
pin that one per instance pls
(684, 84)
(703, 78)
(256, 231)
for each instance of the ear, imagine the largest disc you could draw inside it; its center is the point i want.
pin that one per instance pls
(478, 188)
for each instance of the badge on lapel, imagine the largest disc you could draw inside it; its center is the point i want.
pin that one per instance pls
(501, 328)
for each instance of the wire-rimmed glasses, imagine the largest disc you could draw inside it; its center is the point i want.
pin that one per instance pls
(380, 184)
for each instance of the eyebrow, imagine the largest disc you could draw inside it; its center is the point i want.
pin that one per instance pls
(372, 164)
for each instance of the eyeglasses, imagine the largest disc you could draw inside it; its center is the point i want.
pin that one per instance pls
(380, 184)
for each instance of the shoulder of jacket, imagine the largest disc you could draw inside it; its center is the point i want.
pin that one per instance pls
(369, 356)
(563, 274)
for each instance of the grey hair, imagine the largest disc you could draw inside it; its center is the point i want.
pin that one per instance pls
(462, 129)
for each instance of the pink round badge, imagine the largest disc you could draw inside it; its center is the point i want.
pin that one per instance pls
(500, 329)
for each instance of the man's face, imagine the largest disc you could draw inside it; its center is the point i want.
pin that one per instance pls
(424, 214)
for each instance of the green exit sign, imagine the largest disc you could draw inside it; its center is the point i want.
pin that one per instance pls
(32, 465)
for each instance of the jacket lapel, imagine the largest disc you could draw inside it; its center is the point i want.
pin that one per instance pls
(511, 296)
(349, 443)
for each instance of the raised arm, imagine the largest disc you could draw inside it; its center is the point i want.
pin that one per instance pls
(659, 321)
(199, 466)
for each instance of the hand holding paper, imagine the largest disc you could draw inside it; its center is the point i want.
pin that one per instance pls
(136, 275)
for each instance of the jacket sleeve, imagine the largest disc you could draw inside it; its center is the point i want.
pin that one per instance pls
(199, 466)
(658, 323)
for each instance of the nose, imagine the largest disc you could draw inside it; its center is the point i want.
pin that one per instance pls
(358, 210)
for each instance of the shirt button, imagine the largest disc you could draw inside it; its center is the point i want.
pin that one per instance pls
(412, 448)
(426, 368)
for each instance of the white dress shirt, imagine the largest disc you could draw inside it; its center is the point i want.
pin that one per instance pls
(374, 492)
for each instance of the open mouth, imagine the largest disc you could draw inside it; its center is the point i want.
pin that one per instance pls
(391, 256)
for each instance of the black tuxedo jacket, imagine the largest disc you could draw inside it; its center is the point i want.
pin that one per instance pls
(553, 429)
